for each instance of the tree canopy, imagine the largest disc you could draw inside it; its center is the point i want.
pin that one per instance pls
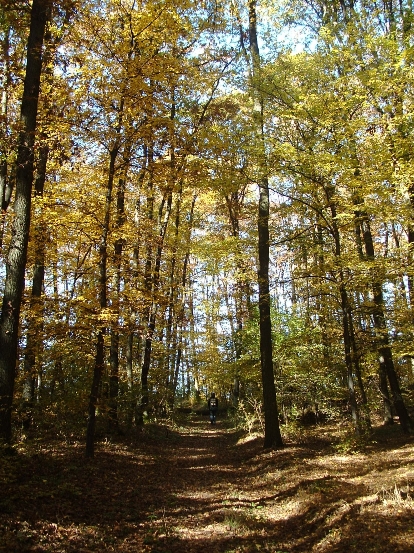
(206, 197)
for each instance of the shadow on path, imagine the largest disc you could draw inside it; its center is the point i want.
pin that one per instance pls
(199, 489)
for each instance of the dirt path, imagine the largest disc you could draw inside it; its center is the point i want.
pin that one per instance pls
(199, 489)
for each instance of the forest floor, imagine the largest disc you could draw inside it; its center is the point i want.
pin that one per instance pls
(202, 488)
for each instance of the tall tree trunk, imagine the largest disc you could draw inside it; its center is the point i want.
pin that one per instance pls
(129, 356)
(114, 351)
(384, 349)
(132, 334)
(103, 302)
(321, 305)
(113, 381)
(93, 398)
(178, 345)
(171, 324)
(364, 413)
(163, 222)
(346, 316)
(35, 326)
(34, 341)
(348, 354)
(272, 436)
(234, 203)
(5, 83)
(148, 285)
(179, 324)
(16, 257)
(171, 328)
(386, 400)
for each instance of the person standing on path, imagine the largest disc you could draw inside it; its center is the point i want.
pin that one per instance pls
(213, 407)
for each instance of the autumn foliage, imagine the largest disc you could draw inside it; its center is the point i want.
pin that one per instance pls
(205, 197)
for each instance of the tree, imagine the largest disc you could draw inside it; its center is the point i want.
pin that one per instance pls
(16, 257)
(32, 364)
(273, 436)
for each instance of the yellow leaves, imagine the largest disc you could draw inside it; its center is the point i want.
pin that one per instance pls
(286, 150)
(107, 316)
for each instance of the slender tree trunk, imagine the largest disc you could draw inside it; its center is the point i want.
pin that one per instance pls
(163, 221)
(114, 351)
(272, 436)
(34, 336)
(348, 355)
(35, 327)
(384, 349)
(383, 386)
(103, 301)
(365, 415)
(170, 330)
(132, 334)
(171, 326)
(322, 307)
(5, 83)
(113, 424)
(148, 285)
(242, 293)
(178, 343)
(346, 317)
(129, 356)
(93, 398)
(272, 431)
(16, 257)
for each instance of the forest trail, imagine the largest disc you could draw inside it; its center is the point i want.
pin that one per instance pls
(199, 488)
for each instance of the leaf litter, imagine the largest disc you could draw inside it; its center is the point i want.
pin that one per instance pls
(196, 488)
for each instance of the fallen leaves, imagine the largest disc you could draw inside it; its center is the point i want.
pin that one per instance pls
(196, 490)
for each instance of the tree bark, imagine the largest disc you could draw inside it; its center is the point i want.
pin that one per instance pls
(5, 83)
(35, 327)
(179, 323)
(148, 281)
(272, 436)
(383, 386)
(346, 317)
(103, 301)
(242, 293)
(384, 350)
(17, 253)
(163, 221)
(114, 351)
(365, 415)
(171, 326)
(348, 356)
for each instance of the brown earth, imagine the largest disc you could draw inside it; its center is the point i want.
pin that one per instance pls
(201, 488)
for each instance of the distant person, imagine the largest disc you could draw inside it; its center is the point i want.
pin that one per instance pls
(213, 407)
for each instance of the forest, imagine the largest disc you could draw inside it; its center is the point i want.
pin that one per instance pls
(205, 197)
(197, 197)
